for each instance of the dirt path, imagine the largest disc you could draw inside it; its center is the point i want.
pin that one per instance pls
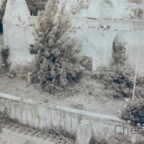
(10, 137)
(16, 133)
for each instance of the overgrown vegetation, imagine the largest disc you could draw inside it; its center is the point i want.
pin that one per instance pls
(4, 57)
(57, 60)
(36, 5)
(139, 91)
(137, 13)
(119, 79)
(119, 52)
(134, 112)
(119, 76)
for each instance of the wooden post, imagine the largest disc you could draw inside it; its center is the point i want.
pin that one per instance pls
(29, 78)
(138, 54)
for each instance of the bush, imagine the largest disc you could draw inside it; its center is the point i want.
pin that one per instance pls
(139, 91)
(119, 76)
(57, 60)
(86, 62)
(119, 79)
(138, 13)
(4, 57)
(119, 52)
(134, 112)
(21, 71)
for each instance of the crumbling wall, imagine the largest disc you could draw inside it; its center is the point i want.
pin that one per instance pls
(96, 29)
(60, 118)
(48, 117)
(97, 42)
(94, 25)
(18, 32)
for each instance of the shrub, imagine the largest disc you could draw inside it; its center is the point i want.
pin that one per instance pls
(86, 62)
(138, 13)
(134, 112)
(21, 71)
(119, 52)
(57, 60)
(119, 76)
(4, 57)
(139, 91)
(118, 79)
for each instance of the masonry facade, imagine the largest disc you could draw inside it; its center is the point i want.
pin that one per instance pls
(95, 23)
(19, 31)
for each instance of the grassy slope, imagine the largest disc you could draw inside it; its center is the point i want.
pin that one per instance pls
(88, 95)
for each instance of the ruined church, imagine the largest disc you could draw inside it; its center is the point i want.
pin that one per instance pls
(95, 22)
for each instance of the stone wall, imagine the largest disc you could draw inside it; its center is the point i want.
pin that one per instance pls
(95, 23)
(19, 32)
(97, 43)
(58, 117)
(48, 116)
(98, 24)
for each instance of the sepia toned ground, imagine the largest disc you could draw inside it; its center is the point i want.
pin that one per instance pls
(9, 137)
(14, 137)
(88, 95)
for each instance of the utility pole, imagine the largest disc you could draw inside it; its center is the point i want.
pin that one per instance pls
(138, 54)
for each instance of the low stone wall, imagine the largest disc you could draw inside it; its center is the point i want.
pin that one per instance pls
(44, 116)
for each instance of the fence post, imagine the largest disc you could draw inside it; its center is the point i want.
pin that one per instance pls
(71, 124)
(51, 117)
(21, 117)
(45, 120)
(27, 121)
(33, 124)
(84, 134)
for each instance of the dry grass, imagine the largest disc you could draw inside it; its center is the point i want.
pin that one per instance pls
(87, 95)
(22, 71)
